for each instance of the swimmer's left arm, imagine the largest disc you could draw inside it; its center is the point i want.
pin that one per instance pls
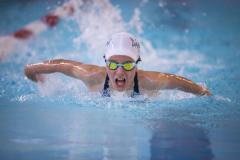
(186, 85)
(157, 80)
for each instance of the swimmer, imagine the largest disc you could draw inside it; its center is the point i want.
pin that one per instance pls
(120, 74)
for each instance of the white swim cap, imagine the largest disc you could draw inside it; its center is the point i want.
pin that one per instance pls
(123, 43)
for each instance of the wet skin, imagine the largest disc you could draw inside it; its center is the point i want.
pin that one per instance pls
(94, 76)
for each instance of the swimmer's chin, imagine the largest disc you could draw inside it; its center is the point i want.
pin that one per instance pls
(119, 89)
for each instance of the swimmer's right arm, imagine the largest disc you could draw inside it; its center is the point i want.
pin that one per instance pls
(68, 67)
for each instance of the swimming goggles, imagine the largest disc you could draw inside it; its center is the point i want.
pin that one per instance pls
(127, 66)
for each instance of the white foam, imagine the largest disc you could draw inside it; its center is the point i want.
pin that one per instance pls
(97, 20)
(136, 22)
(23, 98)
(222, 98)
(174, 95)
(55, 84)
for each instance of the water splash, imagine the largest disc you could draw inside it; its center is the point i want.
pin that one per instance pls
(96, 21)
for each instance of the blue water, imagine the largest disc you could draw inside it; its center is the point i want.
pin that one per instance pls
(61, 120)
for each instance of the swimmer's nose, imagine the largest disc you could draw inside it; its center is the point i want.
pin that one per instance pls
(120, 70)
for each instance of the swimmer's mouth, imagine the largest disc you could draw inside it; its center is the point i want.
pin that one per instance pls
(120, 82)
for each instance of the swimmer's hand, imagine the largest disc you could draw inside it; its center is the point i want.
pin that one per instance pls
(32, 75)
(205, 91)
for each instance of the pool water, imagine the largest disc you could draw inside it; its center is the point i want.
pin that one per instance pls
(60, 119)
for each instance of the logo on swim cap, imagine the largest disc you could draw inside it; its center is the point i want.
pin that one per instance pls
(135, 43)
(123, 43)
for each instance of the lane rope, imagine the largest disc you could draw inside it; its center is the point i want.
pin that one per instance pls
(9, 43)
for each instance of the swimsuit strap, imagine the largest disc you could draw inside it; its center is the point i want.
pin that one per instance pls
(135, 87)
(105, 92)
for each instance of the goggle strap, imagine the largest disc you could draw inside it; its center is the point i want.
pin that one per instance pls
(138, 60)
(104, 58)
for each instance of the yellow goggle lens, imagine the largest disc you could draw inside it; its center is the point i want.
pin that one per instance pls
(128, 66)
(113, 65)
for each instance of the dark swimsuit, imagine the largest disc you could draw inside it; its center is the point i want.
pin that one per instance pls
(105, 92)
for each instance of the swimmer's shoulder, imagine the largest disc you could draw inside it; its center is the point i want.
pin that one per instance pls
(150, 75)
(150, 80)
(95, 76)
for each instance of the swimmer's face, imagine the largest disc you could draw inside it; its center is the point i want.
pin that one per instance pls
(120, 79)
